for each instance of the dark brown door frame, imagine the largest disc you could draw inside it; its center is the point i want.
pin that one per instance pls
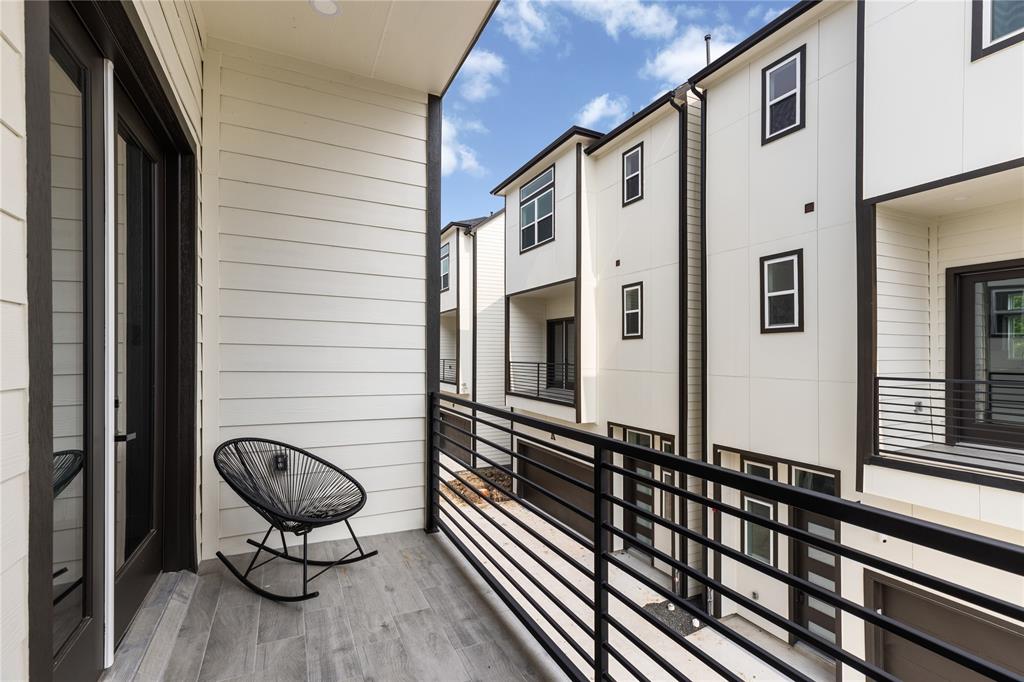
(116, 30)
(958, 355)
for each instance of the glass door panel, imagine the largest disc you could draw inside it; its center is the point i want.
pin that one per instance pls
(70, 460)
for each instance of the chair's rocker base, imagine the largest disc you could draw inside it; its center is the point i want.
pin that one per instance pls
(304, 560)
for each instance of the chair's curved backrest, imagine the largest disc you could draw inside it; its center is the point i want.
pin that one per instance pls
(287, 485)
(66, 465)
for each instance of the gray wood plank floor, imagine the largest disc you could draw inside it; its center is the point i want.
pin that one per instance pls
(416, 611)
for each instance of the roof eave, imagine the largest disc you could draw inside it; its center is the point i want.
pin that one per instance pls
(542, 154)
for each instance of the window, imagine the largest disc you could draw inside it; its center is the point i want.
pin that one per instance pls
(632, 174)
(758, 540)
(633, 311)
(781, 292)
(782, 96)
(445, 266)
(759, 469)
(537, 211)
(995, 24)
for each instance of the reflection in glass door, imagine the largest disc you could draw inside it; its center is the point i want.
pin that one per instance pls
(70, 462)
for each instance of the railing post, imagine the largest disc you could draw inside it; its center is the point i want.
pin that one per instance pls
(433, 468)
(600, 567)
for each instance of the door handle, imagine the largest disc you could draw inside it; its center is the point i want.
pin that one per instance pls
(124, 437)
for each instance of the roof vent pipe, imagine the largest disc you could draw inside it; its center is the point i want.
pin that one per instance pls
(707, 47)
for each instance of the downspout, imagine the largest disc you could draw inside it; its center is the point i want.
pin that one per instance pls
(704, 338)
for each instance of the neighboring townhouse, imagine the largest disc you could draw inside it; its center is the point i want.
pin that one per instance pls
(600, 247)
(472, 329)
(864, 236)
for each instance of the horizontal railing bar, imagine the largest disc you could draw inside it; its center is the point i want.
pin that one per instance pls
(553, 650)
(555, 447)
(644, 647)
(887, 426)
(980, 599)
(978, 447)
(566, 583)
(965, 545)
(562, 554)
(815, 641)
(553, 496)
(569, 479)
(949, 381)
(917, 453)
(911, 634)
(701, 655)
(632, 669)
(588, 630)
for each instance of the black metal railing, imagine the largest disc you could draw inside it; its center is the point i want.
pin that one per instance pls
(550, 381)
(967, 423)
(449, 371)
(575, 587)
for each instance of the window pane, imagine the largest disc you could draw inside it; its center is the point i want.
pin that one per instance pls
(758, 538)
(639, 438)
(544, 203)
(782, 310)
(545, 178)
(527, 237)
(1007, 17)
(632, 323)
(632, 299)
(632, 162)
(755, 469)
(782, 80)
(444, 266)
(545, 228)
(780, 276)
(782, 115)
(632, 187)
(444, 249)
(527, 213)
(816, 481)
(444, 281)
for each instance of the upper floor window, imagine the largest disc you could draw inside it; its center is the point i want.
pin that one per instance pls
(782, 96)
(445, 266)
(632, 174)
(996, 24)
(537, 210)
(633, 311)
(781, 292)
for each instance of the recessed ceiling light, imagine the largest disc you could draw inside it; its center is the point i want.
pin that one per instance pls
(328, 8)
(960, 198)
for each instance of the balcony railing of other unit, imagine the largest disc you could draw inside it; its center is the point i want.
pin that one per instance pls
(578, 596)
(449, 371)
(973, 424)
(550, 381)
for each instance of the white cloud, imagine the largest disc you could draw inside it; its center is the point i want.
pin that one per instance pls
(610, 109)
(526, 23)
(638, 19)
(685, 55)
(455, 154)
(479, 72)
(771, 14)
(754, 12)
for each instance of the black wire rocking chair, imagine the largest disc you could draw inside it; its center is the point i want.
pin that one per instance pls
(295, 492)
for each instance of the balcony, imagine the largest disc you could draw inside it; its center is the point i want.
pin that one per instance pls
(963, 425)
(548, 381)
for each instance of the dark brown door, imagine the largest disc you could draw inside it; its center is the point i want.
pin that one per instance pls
(641, 494)
(138, 481)
(984, 636)
(985, 397)
(457, 438)
(814, 564)
(563, 489)
(561, 354)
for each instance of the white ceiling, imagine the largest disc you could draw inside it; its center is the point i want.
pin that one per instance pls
(418, 44)
(961, 197)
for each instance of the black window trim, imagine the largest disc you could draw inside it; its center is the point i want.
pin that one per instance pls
(625, 287)
(801, 112)
(978, 47)
(531, 197)
(639, 147)
(798, 256)
(446, 256)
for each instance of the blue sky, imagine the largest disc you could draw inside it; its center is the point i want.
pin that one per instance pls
(543, 65)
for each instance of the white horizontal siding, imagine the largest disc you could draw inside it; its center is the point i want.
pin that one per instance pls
(13, 350)
(489, 276)
(320, 328)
